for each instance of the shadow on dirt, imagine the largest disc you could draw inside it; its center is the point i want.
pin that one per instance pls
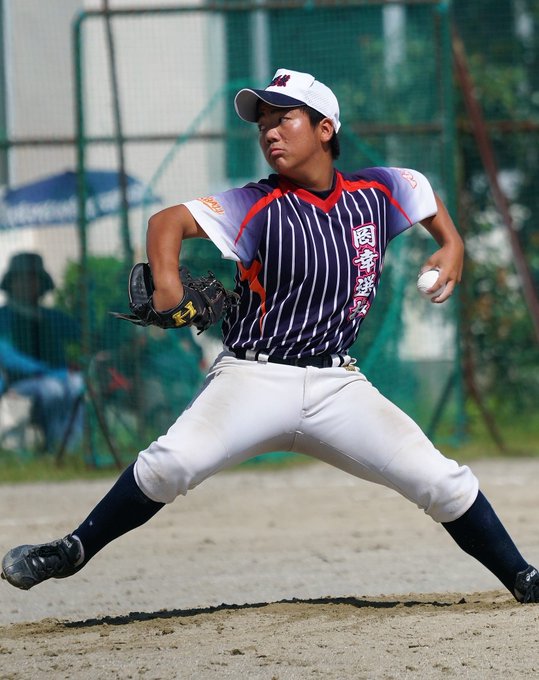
(133, 617)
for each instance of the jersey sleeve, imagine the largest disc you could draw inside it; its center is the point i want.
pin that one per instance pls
(411, 197)
(224, 217)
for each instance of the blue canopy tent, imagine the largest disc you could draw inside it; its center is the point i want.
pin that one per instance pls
(54, 199)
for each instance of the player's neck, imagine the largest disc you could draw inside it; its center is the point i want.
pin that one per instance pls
(317, 181)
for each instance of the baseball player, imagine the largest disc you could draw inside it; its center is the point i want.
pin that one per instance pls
(309, 244)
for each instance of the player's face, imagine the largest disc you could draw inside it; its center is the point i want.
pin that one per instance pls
(290, 144)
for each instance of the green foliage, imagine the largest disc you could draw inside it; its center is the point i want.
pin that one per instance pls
(501, 339)
(99, 290)
(497, 326)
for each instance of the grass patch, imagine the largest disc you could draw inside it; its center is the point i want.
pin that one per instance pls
(520, 438)
(25, 467)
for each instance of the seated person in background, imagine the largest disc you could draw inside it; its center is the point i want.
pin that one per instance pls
(34, 348)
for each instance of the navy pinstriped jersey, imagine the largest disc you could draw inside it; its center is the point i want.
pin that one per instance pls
(308, 268)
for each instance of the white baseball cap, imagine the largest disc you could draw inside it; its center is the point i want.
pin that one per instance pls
(289, 88)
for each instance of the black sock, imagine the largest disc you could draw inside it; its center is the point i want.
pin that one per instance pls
(124, 507)
(480, 533)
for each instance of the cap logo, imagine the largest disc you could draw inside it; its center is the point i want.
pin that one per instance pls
(280, 81)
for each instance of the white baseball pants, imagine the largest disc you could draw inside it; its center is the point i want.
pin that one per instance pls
(246, 408)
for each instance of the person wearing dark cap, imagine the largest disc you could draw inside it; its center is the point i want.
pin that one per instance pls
(34, 349)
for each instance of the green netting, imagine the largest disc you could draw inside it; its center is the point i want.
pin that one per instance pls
(383, 124)
(161, 94)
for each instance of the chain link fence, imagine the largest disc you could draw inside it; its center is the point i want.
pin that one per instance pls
(148, 92)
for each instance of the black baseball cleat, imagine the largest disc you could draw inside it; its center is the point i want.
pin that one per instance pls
(27, 565)
(527, 585)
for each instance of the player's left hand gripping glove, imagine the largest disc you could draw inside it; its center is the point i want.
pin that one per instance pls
(204, 303)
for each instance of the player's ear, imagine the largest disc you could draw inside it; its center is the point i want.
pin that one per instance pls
(326, 130)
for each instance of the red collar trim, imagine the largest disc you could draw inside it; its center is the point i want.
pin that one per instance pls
(324, 204)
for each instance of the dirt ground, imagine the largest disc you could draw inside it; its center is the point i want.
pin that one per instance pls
(285, 574)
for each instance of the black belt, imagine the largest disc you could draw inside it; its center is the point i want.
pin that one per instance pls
(319, 360)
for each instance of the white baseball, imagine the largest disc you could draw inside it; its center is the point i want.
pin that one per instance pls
(426, 280)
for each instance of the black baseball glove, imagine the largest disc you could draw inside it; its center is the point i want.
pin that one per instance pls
(204, 303)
